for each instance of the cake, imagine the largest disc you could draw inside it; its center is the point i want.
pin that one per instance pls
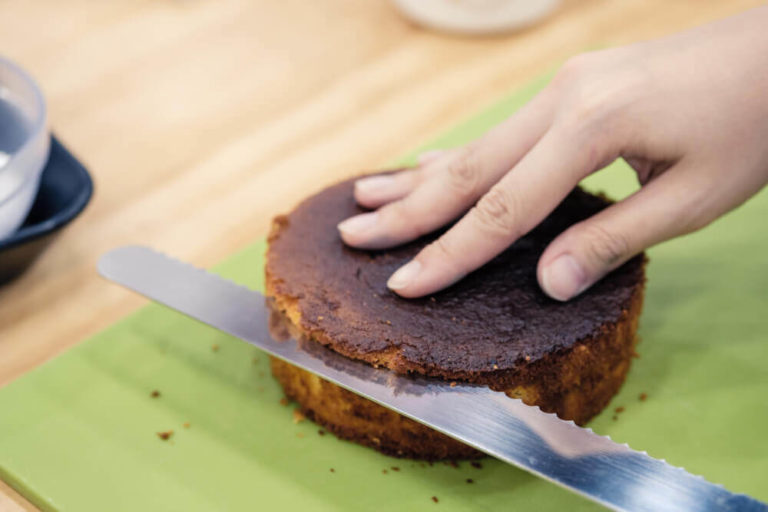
(495, 327)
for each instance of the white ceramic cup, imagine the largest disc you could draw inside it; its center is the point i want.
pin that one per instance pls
(24, 144)
(476, 16)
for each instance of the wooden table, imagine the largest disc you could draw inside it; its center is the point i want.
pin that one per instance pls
(201, 119)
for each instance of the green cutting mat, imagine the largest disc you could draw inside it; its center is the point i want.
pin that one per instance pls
(79, 433)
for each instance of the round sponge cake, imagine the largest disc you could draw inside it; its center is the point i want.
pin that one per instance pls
(495, 327)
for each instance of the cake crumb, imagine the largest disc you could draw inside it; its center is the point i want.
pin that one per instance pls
(495, 366)
(384, 471)
(476, 464)
(470, 481)
(453, 384)
(614, 418)
(333, 470)
(320, 317)
(215, 347)
(186, 424)
(321, 432)
(643, 397)
(154, 394)
(434, 498)
(527, 358)
(620, 409)
(165, 435)
(452, 463)
(284, 401)
(395, 468)
(298, 416)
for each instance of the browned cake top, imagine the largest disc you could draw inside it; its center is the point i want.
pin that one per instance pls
(491, 320)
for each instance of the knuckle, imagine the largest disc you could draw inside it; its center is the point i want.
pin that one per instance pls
(588, 105)
(465, 172)
(497, 212)
(574, 67)
(575, 71)
(441, 250)
(606, 247)
(399, 216)
(592, 85)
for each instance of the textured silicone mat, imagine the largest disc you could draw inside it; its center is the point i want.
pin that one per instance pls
(79, 433)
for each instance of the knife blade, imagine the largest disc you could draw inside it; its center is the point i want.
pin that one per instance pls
(573, 457)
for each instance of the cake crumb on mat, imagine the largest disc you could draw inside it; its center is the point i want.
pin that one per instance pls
(165, 435)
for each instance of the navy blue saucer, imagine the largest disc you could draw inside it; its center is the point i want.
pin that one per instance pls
(65, 189)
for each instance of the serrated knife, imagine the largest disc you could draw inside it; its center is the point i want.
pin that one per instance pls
(573, 457)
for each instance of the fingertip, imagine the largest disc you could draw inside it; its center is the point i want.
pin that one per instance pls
(378, 190)
(354, 230)
(402, 281)
(563, 278)
(422, 276)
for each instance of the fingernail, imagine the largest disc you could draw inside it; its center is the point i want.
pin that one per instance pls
(428, 156)
(358, 224)
(374, 184)
(564, 278)
(404, 275)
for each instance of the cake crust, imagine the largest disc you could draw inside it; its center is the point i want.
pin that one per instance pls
(495, 327)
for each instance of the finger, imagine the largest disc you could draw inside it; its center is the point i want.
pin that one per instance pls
(452, 183)
(375, 191)
(514, 206)
(429, 156)
(587, 251)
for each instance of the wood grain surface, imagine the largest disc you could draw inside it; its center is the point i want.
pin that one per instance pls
(201, 119)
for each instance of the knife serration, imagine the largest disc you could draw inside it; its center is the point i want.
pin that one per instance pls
(576, 458)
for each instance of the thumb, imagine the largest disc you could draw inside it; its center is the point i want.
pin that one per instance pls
(584, 253)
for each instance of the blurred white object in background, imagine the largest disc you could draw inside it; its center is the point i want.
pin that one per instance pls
(24, 144)
(476, 16)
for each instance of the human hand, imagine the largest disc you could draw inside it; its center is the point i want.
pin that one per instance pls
(688, 112)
